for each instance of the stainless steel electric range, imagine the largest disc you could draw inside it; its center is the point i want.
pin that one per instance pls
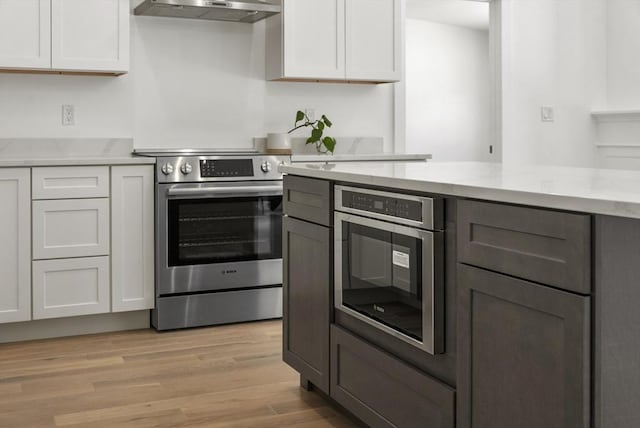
(218, 238)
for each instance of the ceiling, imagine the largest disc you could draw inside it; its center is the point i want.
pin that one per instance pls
(464, 13)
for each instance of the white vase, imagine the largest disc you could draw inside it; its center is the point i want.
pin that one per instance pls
(278, 141)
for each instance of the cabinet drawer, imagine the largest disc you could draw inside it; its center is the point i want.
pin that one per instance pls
(70, 182)
(549, 247)
(70, 287)
(363, 379)
(308, 199)
(70, 228)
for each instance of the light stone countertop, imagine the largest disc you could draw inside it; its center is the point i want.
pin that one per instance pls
(359, 157)
(68, 152)
(75, 161)
(597, 191)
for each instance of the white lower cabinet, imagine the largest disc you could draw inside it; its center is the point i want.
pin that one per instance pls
(15, 245)
(70, 228)
(76, 241)
(132, 238)
(70, 287)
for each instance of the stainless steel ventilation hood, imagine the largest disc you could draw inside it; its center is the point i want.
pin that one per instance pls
(216, 10)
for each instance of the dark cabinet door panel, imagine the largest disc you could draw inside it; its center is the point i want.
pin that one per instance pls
(307, 300)
(383, 391)
(523, 353)
(308, 199)
(544, 246)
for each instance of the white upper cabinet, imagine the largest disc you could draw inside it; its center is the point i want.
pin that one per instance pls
(90, 35)
(65, 35)
(15, 250)
(373, 39)
(335, 40)
(25, 34)
(314, 39)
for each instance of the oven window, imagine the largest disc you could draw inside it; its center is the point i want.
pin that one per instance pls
(382, 277)
(204, 231)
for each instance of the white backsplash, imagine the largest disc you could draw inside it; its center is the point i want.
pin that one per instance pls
(344, 146)
(39, 148)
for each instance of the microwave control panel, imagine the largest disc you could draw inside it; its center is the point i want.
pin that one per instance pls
(386, 205)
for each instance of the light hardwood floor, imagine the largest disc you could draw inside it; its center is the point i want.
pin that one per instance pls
(226, 376)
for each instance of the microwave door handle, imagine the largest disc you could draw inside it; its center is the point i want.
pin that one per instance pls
(221, 192)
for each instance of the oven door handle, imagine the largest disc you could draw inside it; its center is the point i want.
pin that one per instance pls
(220, 192)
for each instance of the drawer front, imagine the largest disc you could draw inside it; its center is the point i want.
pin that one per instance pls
(70, 287)
(363, 379)
(308, 199)
(70, 182)
(70, 228)
(549, 247)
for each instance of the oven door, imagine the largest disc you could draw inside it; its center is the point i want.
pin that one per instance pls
(222, 236)
(385, 276)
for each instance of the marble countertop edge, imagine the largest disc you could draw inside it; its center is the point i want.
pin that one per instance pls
(614, 206)
(75, 161)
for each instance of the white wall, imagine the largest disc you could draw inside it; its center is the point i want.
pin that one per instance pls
(619, 136)
(192, 84)
(623, 54)
(553, 53)
(447, 91)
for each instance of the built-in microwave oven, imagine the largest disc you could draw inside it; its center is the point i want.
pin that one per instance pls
(389, 263)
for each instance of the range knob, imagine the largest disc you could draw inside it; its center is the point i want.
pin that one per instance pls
(186, 168)
(167, 169)
(265, 167)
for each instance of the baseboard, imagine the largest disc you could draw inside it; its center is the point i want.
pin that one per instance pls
(73, 326)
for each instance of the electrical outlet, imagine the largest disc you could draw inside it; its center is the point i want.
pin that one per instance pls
(68, 115)
(547, 114)
(311, 114)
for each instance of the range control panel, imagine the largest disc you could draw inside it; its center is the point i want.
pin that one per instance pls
(226, 168)
(186, 169)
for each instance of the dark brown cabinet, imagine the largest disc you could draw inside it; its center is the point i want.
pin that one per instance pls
(523, 353)
(307, 279)
(549, 247)
(383, 391)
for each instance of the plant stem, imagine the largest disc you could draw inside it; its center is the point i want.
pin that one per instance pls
(302, 126)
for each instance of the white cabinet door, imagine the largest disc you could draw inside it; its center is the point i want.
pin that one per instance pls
(70, 228)
(313, 39)
(132, 237)
(15, 245)
(70, 287)
(373, 40)
(66, 182)
(90, 35)
(25, 34)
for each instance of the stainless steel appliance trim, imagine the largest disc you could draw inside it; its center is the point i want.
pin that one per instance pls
(193, 152)
(225, 192)
(247, 11)
(177, 176)
(214, 275)
(225, 307)
(428, 279)
(259, 5)
(427, 206)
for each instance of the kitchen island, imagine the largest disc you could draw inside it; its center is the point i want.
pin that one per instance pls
(541, 287)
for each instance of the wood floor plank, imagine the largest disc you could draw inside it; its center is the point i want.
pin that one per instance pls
(226, 376)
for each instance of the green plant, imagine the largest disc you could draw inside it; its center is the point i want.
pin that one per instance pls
(317, 130)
